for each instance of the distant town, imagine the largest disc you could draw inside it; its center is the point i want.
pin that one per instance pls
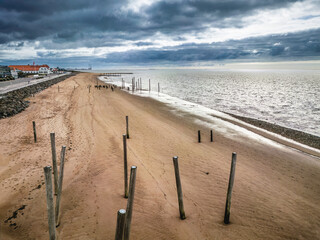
(12, 72)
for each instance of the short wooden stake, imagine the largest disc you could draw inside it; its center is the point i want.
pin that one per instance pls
(125, 165)
(54, 162)
(127, 225)
(62, 156)
(50, 208)
(230, 186)
(127, 126)
(199, 136)
(34, 131)
(179, 188)
(211, 136)
(120, 224)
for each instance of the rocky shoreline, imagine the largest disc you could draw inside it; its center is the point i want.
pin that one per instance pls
(298, 136)
(13, 102)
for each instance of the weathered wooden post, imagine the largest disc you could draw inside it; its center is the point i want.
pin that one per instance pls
(62, 156)
(34, 131)
(120, 224)
(58, 89)
(125, 165)
(127, 126)
(199, 136)
(149, 85)
(50, 208)
(54, 162)
(127, 225)
(158, 88)
(230, 186)
(132, 85)
(211, 136)
(179, 188)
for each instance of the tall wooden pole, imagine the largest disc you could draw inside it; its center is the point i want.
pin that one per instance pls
(62, 157)
(230, 186)
(158, 88)
(54, 162)
(199, 136)
(125, 165)
(179, 188)
(120, 224)
(50, 208)
(127, 126)
(127, 225)
(149, 85)
(34, 131)
(211, 136)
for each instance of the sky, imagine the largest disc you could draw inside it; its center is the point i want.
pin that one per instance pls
(108, 33)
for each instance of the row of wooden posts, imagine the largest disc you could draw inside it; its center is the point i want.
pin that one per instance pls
(123, 216)
(136, 85)
(199, 136)
(178, 181)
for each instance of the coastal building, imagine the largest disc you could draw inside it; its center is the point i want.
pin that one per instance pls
(31, 69)
(4, 71)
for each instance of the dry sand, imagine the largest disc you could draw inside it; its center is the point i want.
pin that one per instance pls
(276, 192)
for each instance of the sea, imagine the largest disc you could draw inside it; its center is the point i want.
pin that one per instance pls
(289, 98)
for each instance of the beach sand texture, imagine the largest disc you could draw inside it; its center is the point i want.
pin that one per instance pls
(276, 193)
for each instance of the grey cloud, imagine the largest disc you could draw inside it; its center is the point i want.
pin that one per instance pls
(303, 44)
(74, 21)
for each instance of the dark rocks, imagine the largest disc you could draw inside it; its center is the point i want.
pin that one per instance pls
(13, 102)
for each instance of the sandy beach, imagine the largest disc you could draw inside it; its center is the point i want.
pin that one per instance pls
(276, 191)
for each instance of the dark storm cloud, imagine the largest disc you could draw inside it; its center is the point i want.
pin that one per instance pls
(299, 45)
(82, 20)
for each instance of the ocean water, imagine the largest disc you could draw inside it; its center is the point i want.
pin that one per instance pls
(290, 98)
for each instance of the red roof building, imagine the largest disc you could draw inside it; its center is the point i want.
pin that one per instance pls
(28, 68)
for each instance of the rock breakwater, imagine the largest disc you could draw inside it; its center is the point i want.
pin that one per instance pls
(13, 102)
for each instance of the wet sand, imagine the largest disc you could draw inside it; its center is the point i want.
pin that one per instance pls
(276, 192)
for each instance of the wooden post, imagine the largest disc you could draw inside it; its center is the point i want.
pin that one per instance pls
(230, 186)
(179, 188)
(127, 126)
(199, 136)
(132, 85)
(158, 88)
(211, 136)
(54, 162)
(149, 85)
(120, 224)
(62, 156)
(34, 131)
(48, 179)
(58, 89)
(127, 225)
(125, 165)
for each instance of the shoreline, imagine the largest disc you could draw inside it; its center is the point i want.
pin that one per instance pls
(296, 135)
(296, 139)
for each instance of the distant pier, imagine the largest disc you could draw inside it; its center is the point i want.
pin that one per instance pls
(113, 74)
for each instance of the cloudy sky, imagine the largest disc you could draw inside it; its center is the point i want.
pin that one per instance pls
(77, 33)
